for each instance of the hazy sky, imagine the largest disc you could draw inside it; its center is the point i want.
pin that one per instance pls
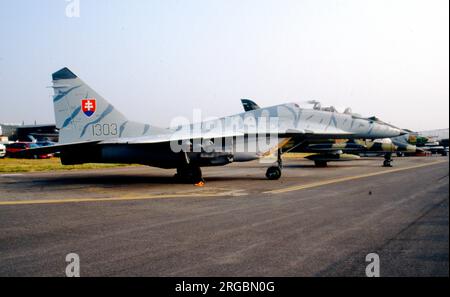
(155, 60)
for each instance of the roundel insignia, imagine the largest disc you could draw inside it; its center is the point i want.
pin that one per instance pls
(88, 106)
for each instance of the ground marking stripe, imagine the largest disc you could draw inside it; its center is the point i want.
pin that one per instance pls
(121, 198)
(343, 179)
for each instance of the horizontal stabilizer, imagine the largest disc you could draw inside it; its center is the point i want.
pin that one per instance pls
(52, 149)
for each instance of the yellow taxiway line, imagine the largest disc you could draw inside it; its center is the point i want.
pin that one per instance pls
(343, 179)
(120, 198)
(206, 194)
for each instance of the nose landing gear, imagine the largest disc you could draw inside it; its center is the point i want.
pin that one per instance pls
(274, 172)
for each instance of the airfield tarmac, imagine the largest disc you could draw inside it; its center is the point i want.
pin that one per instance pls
(135, 221)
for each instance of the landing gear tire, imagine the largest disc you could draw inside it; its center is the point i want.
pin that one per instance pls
(191, 174)
(387, 160)
(321, 163)
(273, 173)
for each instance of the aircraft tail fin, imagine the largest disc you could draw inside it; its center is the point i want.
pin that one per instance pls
(83, 115)
(249, 105)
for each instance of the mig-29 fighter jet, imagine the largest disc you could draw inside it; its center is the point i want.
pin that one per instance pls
(93, 131)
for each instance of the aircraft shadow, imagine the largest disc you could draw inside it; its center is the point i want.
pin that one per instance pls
(124, 180)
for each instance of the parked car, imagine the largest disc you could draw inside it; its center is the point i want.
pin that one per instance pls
(15, 147)
(2, 151)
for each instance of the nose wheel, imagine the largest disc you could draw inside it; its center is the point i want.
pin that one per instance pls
(274, 172)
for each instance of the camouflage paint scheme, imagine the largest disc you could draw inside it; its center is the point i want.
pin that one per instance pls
(98, 133)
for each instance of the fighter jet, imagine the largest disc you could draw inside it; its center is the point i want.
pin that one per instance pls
(328, 150)
(92, 130)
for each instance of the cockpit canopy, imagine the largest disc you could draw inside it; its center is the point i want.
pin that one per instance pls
(316, 105)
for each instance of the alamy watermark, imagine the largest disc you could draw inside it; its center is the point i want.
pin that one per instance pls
(73, 268)
(247, 134)
(72, 8)
(373, 268)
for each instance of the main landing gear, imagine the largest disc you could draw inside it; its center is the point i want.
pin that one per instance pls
(387, 160)
(274, 172)
(190, 174)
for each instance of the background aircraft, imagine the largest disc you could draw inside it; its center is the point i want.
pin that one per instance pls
(432, 142)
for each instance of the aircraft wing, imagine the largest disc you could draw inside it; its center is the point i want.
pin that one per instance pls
(161, 138)
(168, 137)
(226, 134)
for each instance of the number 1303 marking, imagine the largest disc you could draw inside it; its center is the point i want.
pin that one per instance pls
(104, 129)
